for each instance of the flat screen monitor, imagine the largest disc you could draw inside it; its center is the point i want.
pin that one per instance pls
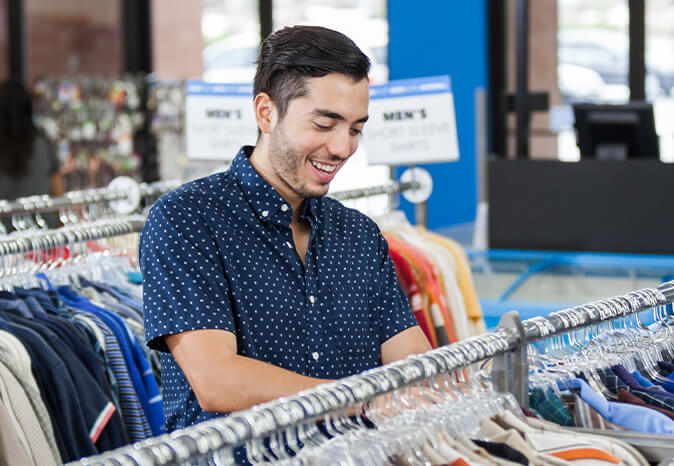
(616, 132)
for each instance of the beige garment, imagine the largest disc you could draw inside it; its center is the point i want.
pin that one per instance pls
(549, 440)
(28, 426)
(16, 358)
(512, 438)
(465, 280)
(5, 399)
(430, 453)
(446, 265)
(470, 451)
(12, 452)
(631, 455)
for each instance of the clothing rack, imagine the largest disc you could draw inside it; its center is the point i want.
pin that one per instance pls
(47, 239)
(202, 440)
(394, 187)
(114, 192)
(510, 372)
(415, 185)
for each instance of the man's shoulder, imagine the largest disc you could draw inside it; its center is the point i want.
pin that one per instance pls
(198, 201)
(207, 189)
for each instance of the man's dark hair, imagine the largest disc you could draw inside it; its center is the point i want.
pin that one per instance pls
(16, 128)
(289, 56)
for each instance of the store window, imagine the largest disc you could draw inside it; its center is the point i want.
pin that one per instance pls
(72, 37)
(593, 60)
(231, 37)
(365, 22)
(660, 71)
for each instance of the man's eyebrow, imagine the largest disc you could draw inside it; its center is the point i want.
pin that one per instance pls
(336, 116)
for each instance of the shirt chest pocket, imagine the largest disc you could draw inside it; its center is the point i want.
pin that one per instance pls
(352, 314)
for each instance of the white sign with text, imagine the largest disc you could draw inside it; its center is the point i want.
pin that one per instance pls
(412, 121)
(219, 119)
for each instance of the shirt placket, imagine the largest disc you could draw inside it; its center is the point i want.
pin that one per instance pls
(315, 352)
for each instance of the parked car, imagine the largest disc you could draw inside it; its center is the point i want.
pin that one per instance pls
(606, 52)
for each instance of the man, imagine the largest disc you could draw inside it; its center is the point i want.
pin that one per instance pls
(256, 286)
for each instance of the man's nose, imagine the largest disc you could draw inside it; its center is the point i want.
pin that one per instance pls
(339, 144)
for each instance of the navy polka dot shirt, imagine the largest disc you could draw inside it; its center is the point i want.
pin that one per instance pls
(218, 253)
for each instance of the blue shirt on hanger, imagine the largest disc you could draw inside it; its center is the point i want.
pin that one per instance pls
(617, 377)
(633, 417)
(644, 382)
(218, 253)
(139, 368)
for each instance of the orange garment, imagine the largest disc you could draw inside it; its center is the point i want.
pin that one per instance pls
(411, 289)
(423, 282)
(433, 285)
(459, 462)
(464, 279)
(585, 454)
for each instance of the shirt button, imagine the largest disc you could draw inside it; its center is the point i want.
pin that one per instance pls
(312, 299)
(265, 213)
(284, 207)
(288, 244)
(315, 356)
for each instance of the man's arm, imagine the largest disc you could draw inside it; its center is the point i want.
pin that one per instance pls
(410, 341)
(224, 381)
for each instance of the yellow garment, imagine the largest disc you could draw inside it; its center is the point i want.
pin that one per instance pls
(464, 279)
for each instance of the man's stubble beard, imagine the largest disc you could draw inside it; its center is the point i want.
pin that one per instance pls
(289, 165)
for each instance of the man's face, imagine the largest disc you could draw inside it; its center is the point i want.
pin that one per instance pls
(318, 134)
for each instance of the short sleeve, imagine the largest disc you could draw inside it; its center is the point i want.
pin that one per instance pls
(184, 286)
(395, 314)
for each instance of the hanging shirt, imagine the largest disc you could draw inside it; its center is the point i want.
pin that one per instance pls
(626, 397)
(637, 418)
(550, 407)
(653, 396)
(15, 357)
(138, 366)
(411, 288)
(18, 404)
(587, 417)
(135, 420)
(218, 253)
(72, 421)
(464, 280)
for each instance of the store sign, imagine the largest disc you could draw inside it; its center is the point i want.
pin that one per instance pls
(219, 119)
(412, 121)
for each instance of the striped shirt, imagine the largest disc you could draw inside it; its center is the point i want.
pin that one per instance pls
(135, 420)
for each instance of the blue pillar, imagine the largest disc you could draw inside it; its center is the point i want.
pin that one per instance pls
(444, 37)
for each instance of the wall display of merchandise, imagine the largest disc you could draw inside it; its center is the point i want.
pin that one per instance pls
(91, 120)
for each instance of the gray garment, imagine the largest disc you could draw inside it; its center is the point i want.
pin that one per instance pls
(43, 163)
(27, 423)
(30, 388)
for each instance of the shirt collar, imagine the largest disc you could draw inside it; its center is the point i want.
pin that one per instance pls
(266, 202)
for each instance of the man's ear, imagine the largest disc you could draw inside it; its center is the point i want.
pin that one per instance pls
(264, 112)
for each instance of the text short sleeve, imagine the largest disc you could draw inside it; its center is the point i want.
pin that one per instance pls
(395, 314)
(184, 287)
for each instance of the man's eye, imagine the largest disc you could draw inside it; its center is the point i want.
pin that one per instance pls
(322, 127)
(356, 132)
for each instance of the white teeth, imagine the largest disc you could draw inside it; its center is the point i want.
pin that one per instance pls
(323, 167)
